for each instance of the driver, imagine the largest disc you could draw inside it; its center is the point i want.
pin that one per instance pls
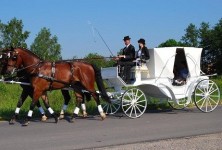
(125, 59)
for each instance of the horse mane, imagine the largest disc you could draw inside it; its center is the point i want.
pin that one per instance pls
(29, 52)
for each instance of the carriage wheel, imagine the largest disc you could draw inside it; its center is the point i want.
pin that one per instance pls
(182, 103)
(114, 106)
(134, 103)
(206, 95)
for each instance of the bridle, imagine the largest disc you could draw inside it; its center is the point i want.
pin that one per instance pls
(14, 66)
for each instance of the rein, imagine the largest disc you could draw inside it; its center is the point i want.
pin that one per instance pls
(33, 65)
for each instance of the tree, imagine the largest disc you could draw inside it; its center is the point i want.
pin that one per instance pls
(98, 60)
(208, 57)
(191, 36)
(12, 34)
(217, 45)
(211, 42)
(46, 46)
(171, 43)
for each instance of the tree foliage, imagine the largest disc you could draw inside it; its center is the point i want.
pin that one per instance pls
(98, 60)
(46, 46)
(171, 43)
(12, 34)
(191, 36)
(207, 37)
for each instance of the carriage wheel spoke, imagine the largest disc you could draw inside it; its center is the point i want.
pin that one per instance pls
(201, 90)
(107, 108)
(115, 102)
(141, 105)
(138, 108)
(214, 96)
(135, 111)
(200, 99)
(133, 95)
(203, 103)
(213, 91)
(199, 95)
(129, 96)
(139, 97)
(143, 100)
(211, 86)
(114, 107)
(129, 108)
(212, 100)
(206, 102)
(136, 93)
(126, 100)
(210, 105)
(126, 104)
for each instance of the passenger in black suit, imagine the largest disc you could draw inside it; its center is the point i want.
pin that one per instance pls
(125, 59)
(142, 55)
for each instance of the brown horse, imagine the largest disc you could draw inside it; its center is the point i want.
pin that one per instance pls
(28, 91)
(45, 76)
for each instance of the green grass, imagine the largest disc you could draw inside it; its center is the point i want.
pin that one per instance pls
(9, 95)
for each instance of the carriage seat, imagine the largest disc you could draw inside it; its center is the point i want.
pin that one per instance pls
(141, 71)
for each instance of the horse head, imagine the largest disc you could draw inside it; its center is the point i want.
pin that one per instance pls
(3, 63)
(21, 59)
(4, 55)
(13, 61)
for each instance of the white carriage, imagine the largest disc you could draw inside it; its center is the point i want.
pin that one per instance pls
(155, 79)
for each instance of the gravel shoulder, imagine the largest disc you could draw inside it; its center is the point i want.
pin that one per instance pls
(201, 142)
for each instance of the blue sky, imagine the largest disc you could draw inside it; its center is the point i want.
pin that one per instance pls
(154, 20)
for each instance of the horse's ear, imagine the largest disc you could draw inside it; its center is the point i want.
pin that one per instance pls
(11, 48)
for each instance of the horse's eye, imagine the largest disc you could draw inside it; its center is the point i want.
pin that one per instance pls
(14, 57)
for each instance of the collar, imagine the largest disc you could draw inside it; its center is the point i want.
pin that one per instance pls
(127, 45)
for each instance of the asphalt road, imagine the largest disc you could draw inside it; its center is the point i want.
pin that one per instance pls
(92, 132)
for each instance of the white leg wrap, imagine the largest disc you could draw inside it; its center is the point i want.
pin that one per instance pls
(30, 113)
(41, 110)
(17, 110)
(50, 110)
(76, 111)
(83, 107)
(100, 109)
(64, 107)
(62, 112)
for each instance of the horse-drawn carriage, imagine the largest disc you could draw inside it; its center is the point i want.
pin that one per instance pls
(156, 79)
(152, 79)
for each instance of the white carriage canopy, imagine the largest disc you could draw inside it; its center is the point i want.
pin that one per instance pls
(163, 60)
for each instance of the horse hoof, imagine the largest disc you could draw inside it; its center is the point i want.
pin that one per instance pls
(56, 119)
(12, 122)
(85, 114)
(61, 116)
(44, 118)
(103, 116)
(26, 123)
(71, 120)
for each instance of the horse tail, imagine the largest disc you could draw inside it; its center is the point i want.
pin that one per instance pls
(100, 84)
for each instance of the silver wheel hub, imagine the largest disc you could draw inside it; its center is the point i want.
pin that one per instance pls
(207, 94)
(133, 102)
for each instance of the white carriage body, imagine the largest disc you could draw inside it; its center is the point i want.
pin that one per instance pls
(155, 77)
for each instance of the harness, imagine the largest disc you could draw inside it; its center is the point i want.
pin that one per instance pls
(52, 79)
(52, 75)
